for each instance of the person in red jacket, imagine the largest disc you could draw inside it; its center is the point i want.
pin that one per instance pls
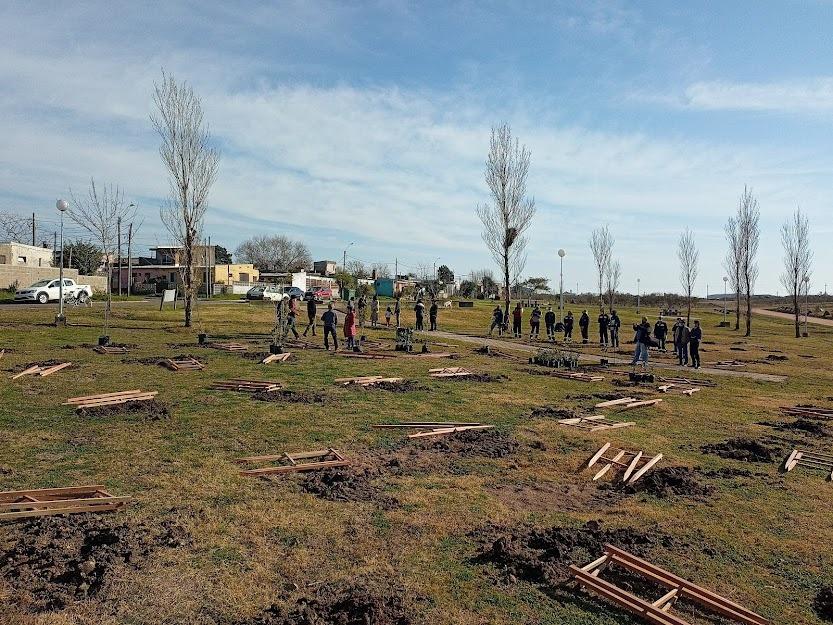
(350, 328)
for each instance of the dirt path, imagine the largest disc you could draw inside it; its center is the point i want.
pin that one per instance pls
(531, 349)
(789, 317)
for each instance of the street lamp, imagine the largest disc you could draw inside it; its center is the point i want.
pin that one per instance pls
(561, 254)
(806, 302)
(62, 206)
(637, 295)
(725, 280)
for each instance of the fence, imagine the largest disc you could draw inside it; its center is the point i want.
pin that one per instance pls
(20, 277)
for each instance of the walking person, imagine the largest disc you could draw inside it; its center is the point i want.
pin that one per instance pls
(661, 332)
(350, 328)
(330, 322)
(584, 326)
(568, 327)
(604, 322)
(694, 339)
(615, 324)
(535, 322)
(497, 321)
(642, 339)
(517, 319)
(374, 311)
(312, 310)
(432, 315)
(388, 314)
(290, 319)
(419, 309)
(397, 310)
(549, 323)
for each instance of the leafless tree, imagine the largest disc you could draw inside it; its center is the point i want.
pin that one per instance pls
(99, 212)
(733, 263)
(748, 217)
(798, 259)
(192, 165)
(358, 269)
(15, 228)
(274, 253)
(510, 212)
(689, 257)
(601, 245)
(613, 274)
(427, 280)
(380, 270)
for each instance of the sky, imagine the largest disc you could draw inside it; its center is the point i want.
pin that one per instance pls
(368, 123)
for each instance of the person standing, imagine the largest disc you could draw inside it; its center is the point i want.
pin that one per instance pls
(535, 322)
(584, 326)
(397, 310)
(568, 327)
(604, 322)
(694, 339)
(497, 321)
(419, 310)
(312, 310)
(388, 314)
(362, 310)
(660, 332)
(549, 323)
(615, 324)
(290, 319)
(330, 321)
(350, 328)
(642, 339)
(517, 318)
(432, 315)
(681, 337)
(374, 311)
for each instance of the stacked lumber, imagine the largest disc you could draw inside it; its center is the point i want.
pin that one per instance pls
(688, 381)
(810, 412)
(450, 372)
(41, 371)
(810, 459)
(595, 423)
(664, 388)
(275, 358)
(324, 459)
(182, 364)
(230, 347)
(19, 504)
(577, 376)
(365, 381)
(109, 399)
(110, 349)
(246, 386)
(628, 403)
(435, 428)
(624, 459)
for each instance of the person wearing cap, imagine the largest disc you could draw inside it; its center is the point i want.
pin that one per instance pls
(535, 322)
(419, 311)
(549, 322)
(568, 327)
(681, 337)
(497, 321)
(330, 321)
(517, 319)
(432, 314)
(614, 325)
(695, 336)
(350, 328)
(604, 322)
(584, 325)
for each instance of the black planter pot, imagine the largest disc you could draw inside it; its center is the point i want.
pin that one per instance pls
(201, 338)
(103, 340)
(275, 349)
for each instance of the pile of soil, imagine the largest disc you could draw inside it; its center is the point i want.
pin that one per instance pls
(823, 603)
(156, 360)
(544, 555)
(52, 562)
(346, 484)
(745, 449)
(40, 363)
(291, 397)
(738, 349)
(805, 426)
(150, 410)
(488, 443)
(356, 604)
(776, 357)
(554, 412)
(480, 377)
(403, 386)
(258, 356)
(670, 482)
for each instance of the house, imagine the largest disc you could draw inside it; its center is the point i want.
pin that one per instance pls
(173, 255)
(22, 255)
(388, 287)
(324, 267)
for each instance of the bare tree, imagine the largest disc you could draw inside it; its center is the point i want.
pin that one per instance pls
(601, 245)
(192, 165)
(733, 263)
(99, 212)
(358, 269)
(688, 256)
(510, 213)
(613, 274)
(380, 270)
(15, 228)
(274, 253)
(748, 217)
(798, 258)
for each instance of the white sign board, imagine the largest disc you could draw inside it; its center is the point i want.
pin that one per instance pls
(168, 295)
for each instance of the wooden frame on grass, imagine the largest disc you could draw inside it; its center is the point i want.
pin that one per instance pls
(20, 504)
(325, 459)
(109, 399)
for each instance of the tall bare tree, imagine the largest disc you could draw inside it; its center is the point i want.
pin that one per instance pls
(192, 164)
(749, 231)
(601, 245)
(510, 212)
(733, 263)
(274, 252)
(688, 256)
(613, 275)
(15, 228)
(798, 259)
(98, 212)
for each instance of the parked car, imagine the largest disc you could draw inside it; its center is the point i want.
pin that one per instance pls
(256, 292)
(319, 294)
(271, 292)
(293, 290)
(44, 291)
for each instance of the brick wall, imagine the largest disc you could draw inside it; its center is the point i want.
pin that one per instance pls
(24, 276)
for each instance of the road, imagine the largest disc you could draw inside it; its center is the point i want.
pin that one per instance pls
(789, 317)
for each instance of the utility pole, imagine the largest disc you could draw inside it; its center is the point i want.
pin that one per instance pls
(396, 273)
(129, 257)
(55, 243)
(33, 229)
(118, 254)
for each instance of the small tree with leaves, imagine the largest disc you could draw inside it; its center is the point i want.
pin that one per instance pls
(798, 259)
(83, 256)
(688, 256)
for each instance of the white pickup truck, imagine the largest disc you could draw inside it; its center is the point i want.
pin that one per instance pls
(44, 291)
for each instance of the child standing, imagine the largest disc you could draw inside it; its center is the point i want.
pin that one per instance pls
(388, 314)
(350, 328)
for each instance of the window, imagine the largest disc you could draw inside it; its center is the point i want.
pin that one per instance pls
(67, 282)
(244, 277)
(2, 259)
(21, 260)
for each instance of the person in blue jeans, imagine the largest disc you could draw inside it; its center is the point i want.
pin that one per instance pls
(643, 338)
(694, 338)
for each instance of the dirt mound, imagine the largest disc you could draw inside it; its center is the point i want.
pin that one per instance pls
(52, 562)
(670, 482)
(488, 443)
(738, 349)
(291, 397)
(40, 363)
(823, 603)
(554, 412)
(480, 377)
(258, 356)
(150, 410)
(156, 360)
(356, 604)
(745, 449)
(346, 484)
(544, 555)
(403, 386)
(799, 425)
(776, 357)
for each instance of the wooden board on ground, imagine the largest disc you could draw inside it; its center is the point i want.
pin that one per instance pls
(639, 404)
(109, 349)
(812, 412)
(657, 612)
(365, 381)
(20, 504)
(275, 358)
(688, 381)
(290, 463)
(450, 372)
(435, 428)
(230, 347)
(246, 386)
(42, 371)
(728, 364)
(182, 364)
(429, 355)
(634, 463)
(109, 399)
(368, 355)
(811, 460)
(577, 376)
(595, 423)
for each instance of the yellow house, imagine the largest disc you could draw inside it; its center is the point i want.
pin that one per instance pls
(235, 273)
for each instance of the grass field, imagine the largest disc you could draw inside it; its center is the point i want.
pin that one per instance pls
(422, 514)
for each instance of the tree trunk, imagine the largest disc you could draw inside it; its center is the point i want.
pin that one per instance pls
(506, 292)
(688, 315)
(748, 310)
(737, 310)
(797, 315)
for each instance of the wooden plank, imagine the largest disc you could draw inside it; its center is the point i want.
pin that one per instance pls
(31, 370)
(631, 466)
(598, 455)
(609, 465)
(75, 400)
(53, 369)
(39, 493)
(310, 466)
(640, 404)
(615, 402)
(451, 430)
(60, 503)
(788, 466)
(645, 468)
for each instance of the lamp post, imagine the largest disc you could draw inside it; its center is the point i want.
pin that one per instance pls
(62, 206)
(561, 255)
(725, 280)
(806, 302)
(637, 295)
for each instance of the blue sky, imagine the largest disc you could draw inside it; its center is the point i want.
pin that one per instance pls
(369, 122)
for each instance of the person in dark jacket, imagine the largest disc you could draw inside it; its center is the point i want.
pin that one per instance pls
(535, 322)
(549, 322)
(312, 309)
(419, 310)
(517, 319)
(604, 322)
(362, 310)
(497, 321)
(615, 324)
(397, 310)
(584, 325)
(290, 318)
(642, 339)
(681, 337)
(330, 321)
(694, 339)
(432, 314)
(568, 327)
(660, 332)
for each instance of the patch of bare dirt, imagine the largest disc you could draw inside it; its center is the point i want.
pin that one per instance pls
(746, 450)
(346, 484)
(480, 377)
(559, 496)
(823, 603)
(803, 426)
(39, 363)
(150, 410)
(776, 357)
(53, 562)
(667, 482)
(156, 360)
(488, 443)
(402, 386)
(292, 397)
(555, 412)
(358, 603)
